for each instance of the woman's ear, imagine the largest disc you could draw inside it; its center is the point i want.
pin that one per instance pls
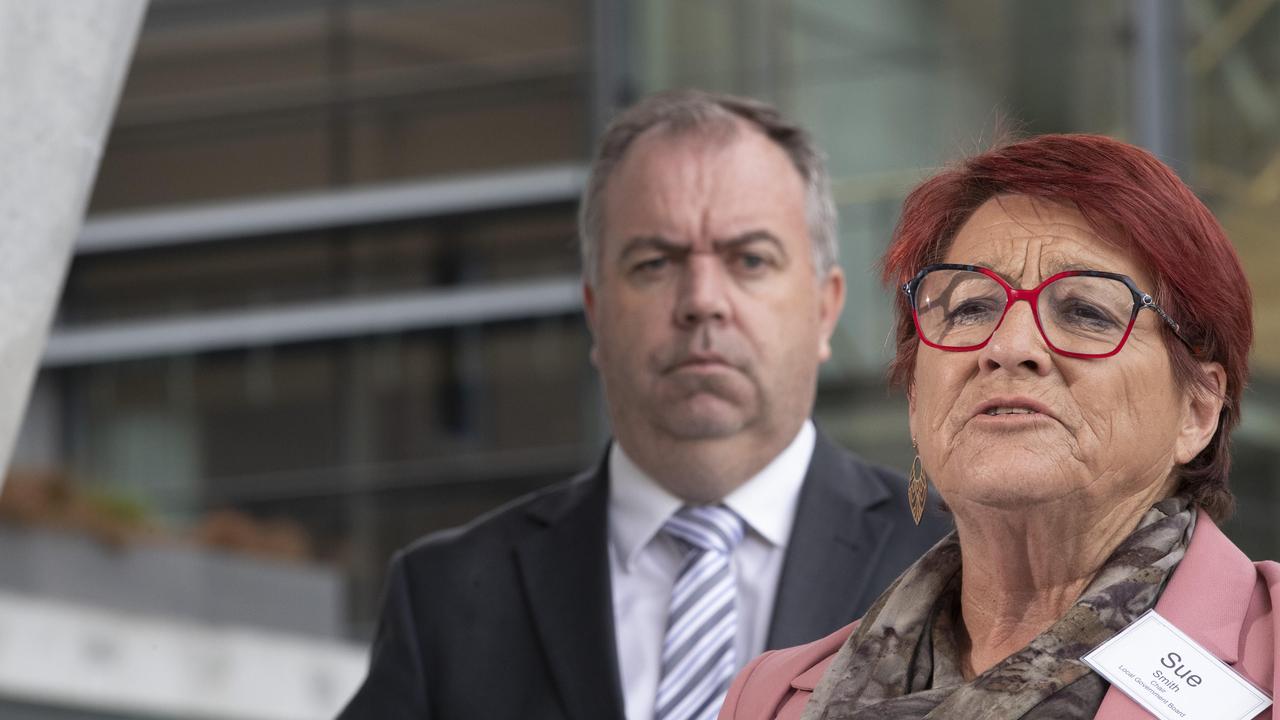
(1203, 407)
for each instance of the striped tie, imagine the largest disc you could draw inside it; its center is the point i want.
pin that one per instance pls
(698, 658)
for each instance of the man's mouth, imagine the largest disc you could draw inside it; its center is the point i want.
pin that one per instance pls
(697, 361)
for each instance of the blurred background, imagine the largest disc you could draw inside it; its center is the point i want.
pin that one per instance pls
(326, 299)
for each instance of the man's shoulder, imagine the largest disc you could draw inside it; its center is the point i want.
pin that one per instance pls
(876, 489)
(831, 458)
(498, 530)
(882, 475)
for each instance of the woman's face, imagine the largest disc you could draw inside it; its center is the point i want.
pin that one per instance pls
(1099, 430)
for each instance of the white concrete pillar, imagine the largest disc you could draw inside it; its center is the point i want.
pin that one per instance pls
(62, 65)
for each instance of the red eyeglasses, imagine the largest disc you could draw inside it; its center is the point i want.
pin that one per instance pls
(1080, 313)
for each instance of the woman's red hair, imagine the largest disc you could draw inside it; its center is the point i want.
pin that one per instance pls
(1116, 186)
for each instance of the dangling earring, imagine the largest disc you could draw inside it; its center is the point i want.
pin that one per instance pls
(917, 487)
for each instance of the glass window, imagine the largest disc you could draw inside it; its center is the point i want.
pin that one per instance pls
(341, 451)
(239, 97)
(1231, 70)
(366, 261)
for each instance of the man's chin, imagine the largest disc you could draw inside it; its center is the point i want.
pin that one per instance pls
(706, 424)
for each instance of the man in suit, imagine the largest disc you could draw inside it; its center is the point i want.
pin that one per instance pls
(720, 521)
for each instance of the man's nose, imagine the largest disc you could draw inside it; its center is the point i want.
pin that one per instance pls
(1017, 344)
(703, 294)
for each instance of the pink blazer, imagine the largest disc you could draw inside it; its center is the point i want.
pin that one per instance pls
(1216, 595)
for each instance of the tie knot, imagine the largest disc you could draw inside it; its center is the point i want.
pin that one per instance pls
(706, 527)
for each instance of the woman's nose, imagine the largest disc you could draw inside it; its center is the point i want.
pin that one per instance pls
(1017, 344)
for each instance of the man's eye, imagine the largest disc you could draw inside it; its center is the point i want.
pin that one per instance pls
(752, 261)
(651, 265)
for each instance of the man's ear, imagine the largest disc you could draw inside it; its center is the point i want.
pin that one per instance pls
(589, 309)
(830, 304)
(589, 304)
(1201, 410)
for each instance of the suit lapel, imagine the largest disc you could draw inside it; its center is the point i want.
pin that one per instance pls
(565, 569)
(835, 546)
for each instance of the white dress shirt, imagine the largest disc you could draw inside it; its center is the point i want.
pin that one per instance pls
(644, 562)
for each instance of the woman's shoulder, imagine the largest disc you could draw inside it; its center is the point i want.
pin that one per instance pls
(1268, 572)
(779, 682)
(1227, 602)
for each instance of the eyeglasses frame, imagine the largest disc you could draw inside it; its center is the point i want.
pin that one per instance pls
(1141, 301)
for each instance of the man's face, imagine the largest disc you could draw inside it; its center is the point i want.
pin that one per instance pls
(709, 318)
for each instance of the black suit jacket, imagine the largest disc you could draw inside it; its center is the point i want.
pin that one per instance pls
(511, 616)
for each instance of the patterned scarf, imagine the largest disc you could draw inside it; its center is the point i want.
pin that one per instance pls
(903, 663)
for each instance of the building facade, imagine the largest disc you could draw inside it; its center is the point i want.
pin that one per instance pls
(327, 299)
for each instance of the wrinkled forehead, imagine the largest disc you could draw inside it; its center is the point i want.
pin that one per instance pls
(712, 129)
(1028, 239)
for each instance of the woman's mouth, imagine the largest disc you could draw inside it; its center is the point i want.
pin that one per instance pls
(1010, 411)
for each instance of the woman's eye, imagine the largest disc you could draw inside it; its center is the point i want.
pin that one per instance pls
(1086, 315)
(970, 312)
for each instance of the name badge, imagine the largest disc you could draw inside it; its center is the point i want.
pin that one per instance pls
(1172, 676)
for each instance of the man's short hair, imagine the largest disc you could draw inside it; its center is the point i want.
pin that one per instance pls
(687, 111)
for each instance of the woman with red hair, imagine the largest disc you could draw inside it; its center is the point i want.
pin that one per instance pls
(1080, 439)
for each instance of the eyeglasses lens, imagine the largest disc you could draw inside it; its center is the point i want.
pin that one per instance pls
(960, 309)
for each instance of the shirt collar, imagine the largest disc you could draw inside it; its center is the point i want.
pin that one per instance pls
(767, 502)
(639, 506)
